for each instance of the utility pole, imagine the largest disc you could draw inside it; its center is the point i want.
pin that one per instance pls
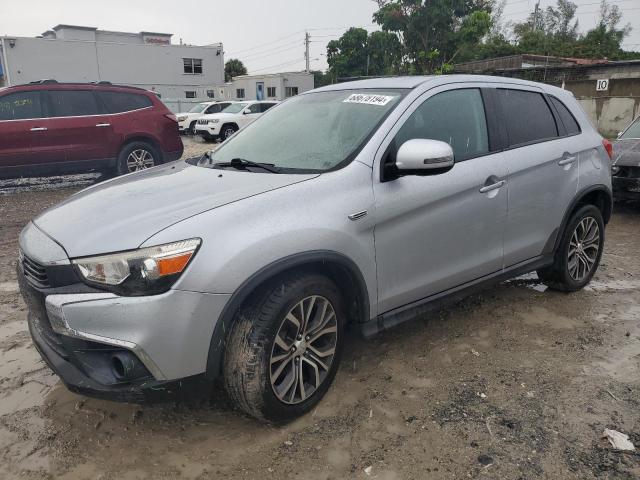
(306, 50)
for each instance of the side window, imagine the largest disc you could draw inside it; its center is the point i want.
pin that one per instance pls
(266, 106)
(118, 102)
(456, 117)
(254, 108)
(215, 108)
(568, 120)
(73, 103)
(20, 106)
(527, 116)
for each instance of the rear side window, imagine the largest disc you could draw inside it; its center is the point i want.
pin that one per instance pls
(73, 103)
(118, 102)
(527, 116)
(567, 118)
(456, 117)
(20, 106)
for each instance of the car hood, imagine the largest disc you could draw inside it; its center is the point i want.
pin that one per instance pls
(626, 152)
(122, 213)
(218, 115)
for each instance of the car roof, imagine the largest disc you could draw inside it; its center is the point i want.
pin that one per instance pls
(411, 82)
(53, 85)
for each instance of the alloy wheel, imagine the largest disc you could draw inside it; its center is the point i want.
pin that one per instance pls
(228, 132)
(139, 159)
(303, 350)
(584, 247)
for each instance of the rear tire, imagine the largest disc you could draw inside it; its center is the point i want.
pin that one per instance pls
(266, 354)
(578, 255)
(137, 156)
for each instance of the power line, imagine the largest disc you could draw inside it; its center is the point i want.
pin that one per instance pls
(259, 47)
(270, 53)
(278, 65)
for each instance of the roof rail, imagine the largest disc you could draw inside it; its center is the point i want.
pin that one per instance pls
(103, 82)
(43, 82)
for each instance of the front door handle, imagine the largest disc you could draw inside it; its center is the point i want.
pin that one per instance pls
(492, 186)
(103, 125)
(38, 129)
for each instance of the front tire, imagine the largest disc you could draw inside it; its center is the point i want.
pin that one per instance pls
(136, 156)
(192, 129)
(579, 252)
(227, 131)
(284, 348)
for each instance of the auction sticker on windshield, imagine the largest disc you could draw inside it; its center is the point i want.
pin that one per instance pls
(368, 99)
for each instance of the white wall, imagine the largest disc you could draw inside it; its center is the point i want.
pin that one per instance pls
(156, 67)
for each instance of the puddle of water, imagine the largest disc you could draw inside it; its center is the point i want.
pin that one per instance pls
(617, 285)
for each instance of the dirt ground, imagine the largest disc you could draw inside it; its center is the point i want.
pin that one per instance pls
(516, 383)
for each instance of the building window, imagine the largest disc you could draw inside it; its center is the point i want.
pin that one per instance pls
(271, 91)
(290, 91)
(240, 93)
(192, 66)
(190, 94)
(211, 93)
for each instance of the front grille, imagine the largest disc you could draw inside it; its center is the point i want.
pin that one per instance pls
(35, 273)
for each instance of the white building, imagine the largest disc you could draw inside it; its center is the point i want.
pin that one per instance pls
(276, 86)
(179, 74)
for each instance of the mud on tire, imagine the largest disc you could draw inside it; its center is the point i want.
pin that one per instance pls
(250, 352)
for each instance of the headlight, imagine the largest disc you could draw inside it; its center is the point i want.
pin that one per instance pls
(615, 169)
(182, 118)
(146, 271)
(215, 120)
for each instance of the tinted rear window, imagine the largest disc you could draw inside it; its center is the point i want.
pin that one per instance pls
(569, 121)
(73, 103)
(527, 116)
(118, 102)
(20, 106)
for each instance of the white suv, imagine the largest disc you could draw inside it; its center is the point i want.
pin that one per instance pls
(224, 124)
(187, 120)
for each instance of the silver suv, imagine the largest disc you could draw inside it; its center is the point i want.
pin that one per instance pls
(361, 204)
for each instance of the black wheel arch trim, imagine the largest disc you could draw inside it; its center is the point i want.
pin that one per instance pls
(554, 239)
(242, 293)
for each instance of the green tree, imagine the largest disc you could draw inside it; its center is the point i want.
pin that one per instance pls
(357, 53)
(434, 33)
(605, 40)
(233, 68)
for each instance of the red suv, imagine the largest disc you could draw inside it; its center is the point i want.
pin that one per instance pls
(48, 127)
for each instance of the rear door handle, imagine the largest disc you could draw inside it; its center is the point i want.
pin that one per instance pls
(103, 125)
(493, 186)
(38, 129)
(568, 160)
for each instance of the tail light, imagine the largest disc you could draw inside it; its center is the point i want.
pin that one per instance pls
(171, 117)
(608, 146)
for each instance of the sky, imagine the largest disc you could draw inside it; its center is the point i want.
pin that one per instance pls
(267, 35)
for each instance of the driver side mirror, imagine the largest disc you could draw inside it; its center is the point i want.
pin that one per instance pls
(424, 156)
(246, 111)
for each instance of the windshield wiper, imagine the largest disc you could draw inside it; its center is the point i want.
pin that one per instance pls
(242, 164)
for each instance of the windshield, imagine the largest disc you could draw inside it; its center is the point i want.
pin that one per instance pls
(633, 131)
(198, 108)
(314, 132)
(235, 108)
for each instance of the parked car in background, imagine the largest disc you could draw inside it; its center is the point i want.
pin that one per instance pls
(187, 120)
(53, 128)
(220, 126)
(626, 163)
(364, 203)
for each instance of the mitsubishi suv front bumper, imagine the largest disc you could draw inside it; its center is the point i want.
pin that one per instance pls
(132, 349)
